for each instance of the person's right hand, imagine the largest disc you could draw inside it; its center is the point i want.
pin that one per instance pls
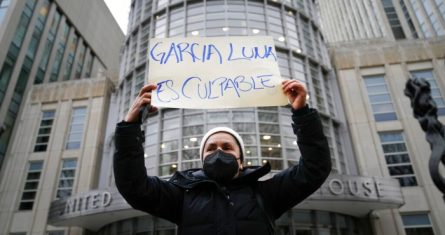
(144, 98)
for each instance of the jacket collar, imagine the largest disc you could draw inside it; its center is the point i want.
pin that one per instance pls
(191, 178)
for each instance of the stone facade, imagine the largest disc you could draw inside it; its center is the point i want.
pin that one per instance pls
(395, 60)
(62, 97)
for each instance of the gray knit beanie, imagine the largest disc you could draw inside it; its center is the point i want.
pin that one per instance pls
(226, 130)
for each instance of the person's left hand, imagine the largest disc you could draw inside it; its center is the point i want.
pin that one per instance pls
(296, 93)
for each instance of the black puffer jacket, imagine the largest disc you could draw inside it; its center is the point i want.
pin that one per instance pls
(199, 205)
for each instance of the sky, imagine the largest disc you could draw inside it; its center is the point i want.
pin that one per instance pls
(120, 10)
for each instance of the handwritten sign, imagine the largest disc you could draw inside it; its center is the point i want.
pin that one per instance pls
(225, 72)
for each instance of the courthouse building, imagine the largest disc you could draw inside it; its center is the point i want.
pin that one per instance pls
(45, 41)
(345, 204)
(376, 46)
(379, 183)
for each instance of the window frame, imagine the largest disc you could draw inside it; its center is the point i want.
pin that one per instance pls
(71, 124)
(41, 126)
(62, 177)
(426, 213)
(406, 152)
(390, 102)
(26, 181)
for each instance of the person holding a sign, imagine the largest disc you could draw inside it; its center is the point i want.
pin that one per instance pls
(224, 197)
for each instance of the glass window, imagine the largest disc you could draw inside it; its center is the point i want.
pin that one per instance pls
(257, 24)
(25, 18)
(194, 119)
(20, 86)
(341, 155)
(380, 98)
(276, 165)
(249, 139)
(191, 165)
(161, 3)
(270, 140)
(251, 151)
(318, 45)
(417, 224)
(89, 64)
(267, 117)
(217, 117)
(435, 22)
(190, 154)
(275, 24)
(138, 10)
(170, 123)
(81, 58)
(47, 49)
(168, 146)
(441, 7)
(148, 8)
(168, 157)
(244, 127)
(59, 53)
(169, 169)
(409, 20)
(193, 130)
(3, 8)
(243, 116)
(139, 81)
(251, 162)
(236, 23)
(170, 113)
(328, 92)
(66, 178)
(38, 28)
(191, 142)
(292, 31)
(5, 136)
(435, 91)
(5, 76)
(127, 94)
(44, 133)
(299, 68)
(31, 185)
(160, 26)
(143, 42)
(70, 60)
(283, 65)
(318, 86)
(421, 18)
(397, 158)
(133, 51)
(271, 152)
(269, 128)
(393, 19)
(195, 19)
(307, 35)
(76, 130)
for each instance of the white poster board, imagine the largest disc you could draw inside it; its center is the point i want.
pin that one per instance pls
(215, 72)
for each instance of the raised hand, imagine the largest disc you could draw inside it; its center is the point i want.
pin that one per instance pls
(296, 93)
(144, 98)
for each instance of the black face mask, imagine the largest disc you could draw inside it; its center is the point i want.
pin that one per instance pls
(220, 166)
